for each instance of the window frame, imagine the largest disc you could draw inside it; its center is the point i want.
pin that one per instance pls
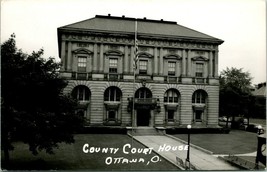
(171, 96)
(112, 94)
(113, 65)
(199, 70)
(82, 93)
(143, 66)
(81, 63)
(199, 97)
(171, 65)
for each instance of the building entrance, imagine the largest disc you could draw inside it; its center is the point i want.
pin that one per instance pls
(143, 117)
(199, 115)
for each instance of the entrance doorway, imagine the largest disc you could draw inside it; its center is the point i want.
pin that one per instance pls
(198, 115)
(143, 117)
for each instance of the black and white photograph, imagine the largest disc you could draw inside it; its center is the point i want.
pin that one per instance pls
(133, 85)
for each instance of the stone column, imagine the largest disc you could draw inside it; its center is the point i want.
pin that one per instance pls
(69, 57)
(155, 60)
(216, 63)
(184, 63)
(125, 60)
(210, 64)
(101, 57)
(63, 51)
(95, 58)
(161, 61)
(189, 63)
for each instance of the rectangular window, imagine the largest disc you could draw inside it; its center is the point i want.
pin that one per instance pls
(171, 68)
(82, 64)
(113, 65)
(142, 67)
(199, 69)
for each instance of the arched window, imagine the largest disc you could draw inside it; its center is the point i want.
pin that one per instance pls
(81, 93)
(143, 93)
(199, 97)
(171, 96)
(112, 94)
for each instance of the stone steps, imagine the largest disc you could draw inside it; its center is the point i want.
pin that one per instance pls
(145, 131)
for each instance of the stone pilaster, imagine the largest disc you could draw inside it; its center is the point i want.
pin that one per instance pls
(101, 58)
(63, 56)
(125, 60)
(161, 61)
(189, 70)
(95, 58)
(184, 63)
(155, 61)
(210, 64)
(216, 64)
(69, 57)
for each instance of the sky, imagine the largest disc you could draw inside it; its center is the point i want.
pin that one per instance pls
(240, 23)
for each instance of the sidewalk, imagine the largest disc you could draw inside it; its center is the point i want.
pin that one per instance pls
(199, 159)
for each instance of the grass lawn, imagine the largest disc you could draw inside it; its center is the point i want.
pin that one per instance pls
(72, 157)
(236, 142)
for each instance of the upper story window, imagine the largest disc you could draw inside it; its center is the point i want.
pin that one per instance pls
(112, 94)
(199, 69)
(82, 63)
(142, 66)
(171, 68)
(113, 65)
(199, 96)
(81, 93)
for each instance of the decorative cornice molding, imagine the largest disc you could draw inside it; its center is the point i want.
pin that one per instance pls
(82, 51)
(200, 58)
(114, 52)
(172, 56)
(145, 54)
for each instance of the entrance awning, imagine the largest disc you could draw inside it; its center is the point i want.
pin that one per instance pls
(143, 103)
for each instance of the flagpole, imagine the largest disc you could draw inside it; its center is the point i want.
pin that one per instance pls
(134, 70)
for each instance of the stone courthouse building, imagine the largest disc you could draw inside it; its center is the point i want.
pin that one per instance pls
(175, 82)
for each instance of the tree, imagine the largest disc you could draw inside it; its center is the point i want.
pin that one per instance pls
(34, 110)
(235, 93)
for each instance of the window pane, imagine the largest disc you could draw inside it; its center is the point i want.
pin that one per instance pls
(113, 65)
(82, 63)
(199, 69)
(142, 67)
(171, 68)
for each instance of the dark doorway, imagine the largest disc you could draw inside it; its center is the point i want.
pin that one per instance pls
(143, 117)
(198, 115)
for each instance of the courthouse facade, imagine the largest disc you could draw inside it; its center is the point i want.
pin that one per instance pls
(176, 77)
